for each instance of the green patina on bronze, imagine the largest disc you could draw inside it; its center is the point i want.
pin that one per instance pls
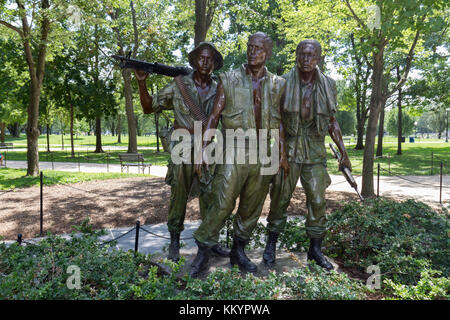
(238, 112)
(306, 152)
(170, 98)
(241, 180)
(181, 177)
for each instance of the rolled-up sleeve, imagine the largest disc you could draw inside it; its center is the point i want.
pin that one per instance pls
(163, 100)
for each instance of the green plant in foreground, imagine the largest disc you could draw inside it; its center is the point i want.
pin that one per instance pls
(430, 286)
(402, 238)
(40, 272)
(304, 284)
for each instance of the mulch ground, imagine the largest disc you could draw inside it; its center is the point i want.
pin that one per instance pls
(110, 204)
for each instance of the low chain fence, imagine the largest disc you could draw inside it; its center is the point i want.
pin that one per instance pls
(138, 227)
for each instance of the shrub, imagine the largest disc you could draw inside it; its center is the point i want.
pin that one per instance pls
(402, 238)
(317, 284)
(300, 283)
(429, 287)
(40, 271)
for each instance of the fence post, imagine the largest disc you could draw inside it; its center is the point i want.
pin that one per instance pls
(78, 161)
(432, 156)
(42, 205)
(440, 186)
(136, 241)
(378, 182)
(389, 164)
(107, 162)
(53, 166)
(19, 239)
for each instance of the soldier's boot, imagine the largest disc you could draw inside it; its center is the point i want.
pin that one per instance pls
(220, 251)
(174, 247)
(239, 258)
(201, 260)
(270, 250)
(315, 253)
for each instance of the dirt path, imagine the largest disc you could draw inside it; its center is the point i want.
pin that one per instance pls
(109, 204)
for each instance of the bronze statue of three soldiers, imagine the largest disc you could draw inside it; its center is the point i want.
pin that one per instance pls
(300, 106)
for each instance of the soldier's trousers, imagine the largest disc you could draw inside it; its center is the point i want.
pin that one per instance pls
(314, 179)
(181, 178)
(230, 182)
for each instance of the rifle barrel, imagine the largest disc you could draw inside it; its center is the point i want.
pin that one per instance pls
(159, 68)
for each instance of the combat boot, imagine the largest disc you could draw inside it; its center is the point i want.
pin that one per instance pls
(315, 253)
(174, 247)
(239, 258)
(270, 250)
(201, 260)
(220, 251)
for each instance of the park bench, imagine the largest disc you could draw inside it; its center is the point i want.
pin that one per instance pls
(6, 145)
(133, 160)
(347, 140)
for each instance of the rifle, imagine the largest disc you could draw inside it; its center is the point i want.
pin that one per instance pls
(346, 171)
(158, 68)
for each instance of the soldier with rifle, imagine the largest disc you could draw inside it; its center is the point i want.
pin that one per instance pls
(248, 98)
(190, 96)
(308, 114)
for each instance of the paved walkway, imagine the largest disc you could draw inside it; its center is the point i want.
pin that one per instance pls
(423, 188)
(81, 148)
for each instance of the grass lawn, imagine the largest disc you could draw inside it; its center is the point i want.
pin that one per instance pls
(15, 178)
(157, 159)
(416, 158)
(143, 141)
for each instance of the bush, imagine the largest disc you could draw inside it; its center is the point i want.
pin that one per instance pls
(429, 287)
(402, 238)
(317, 284)
(40, 271)
(304, 284)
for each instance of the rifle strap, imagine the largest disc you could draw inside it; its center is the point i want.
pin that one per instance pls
(189, 101)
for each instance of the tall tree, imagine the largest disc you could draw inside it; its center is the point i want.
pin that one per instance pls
(360, 83)
(36, 66)
(204, 14)
(413, 20)
(14, 85)
(116, 14)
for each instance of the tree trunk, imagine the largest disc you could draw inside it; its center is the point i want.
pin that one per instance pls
(157, 131)
(204, 13)
(33, 132)
(113, 127)
(48, 137)
(367, 188)
(132, 139)
(72, 147)
(98, 134)
(14, 130)
(359, 135)
(2, 132)
(119, 128)
(62, 136)
(200, 22)
(400, 116)
(380, 133)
